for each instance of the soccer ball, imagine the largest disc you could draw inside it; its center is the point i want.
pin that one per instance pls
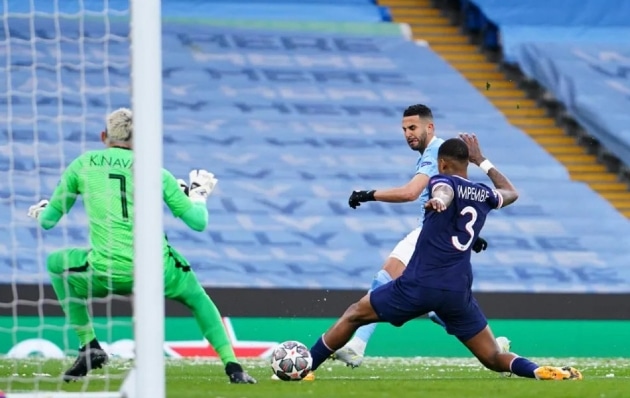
(291, 361)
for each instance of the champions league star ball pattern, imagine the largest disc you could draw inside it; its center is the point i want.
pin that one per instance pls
(291, 361)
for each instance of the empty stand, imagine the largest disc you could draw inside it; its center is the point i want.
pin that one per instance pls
(559, 21)
(593, 81)
(579, 55)
(292, 121)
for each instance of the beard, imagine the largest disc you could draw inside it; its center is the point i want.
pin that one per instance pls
(418, 144)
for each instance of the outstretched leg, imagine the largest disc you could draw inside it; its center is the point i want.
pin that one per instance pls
(182, 285)
(358, 314)
(73, 283)
(465, 320)
(484, 346)
(388, 303)
(352, 353)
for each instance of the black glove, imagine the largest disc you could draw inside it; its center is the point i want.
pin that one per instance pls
(360, 196)
(183, 186)
(480, 245)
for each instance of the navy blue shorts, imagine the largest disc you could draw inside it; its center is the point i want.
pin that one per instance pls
(393, 303)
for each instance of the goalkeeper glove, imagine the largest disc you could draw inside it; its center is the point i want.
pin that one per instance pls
(202, 184)
(480, 245)
(360, 196)
(35, 210)
(183, 186)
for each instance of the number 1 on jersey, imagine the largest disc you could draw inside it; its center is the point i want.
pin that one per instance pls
(123, 194)
(469, 228)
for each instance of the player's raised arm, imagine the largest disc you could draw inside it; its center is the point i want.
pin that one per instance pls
(507, 191)
(407, 193)
(191, 208)
(48, 213)
(503, 186)
(419, 131)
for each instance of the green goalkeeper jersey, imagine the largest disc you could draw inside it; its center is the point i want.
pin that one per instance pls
(104, 179)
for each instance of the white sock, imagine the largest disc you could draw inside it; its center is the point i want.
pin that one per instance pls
(357, 345)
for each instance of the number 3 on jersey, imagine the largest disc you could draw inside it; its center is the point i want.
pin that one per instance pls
(468, 210)
(123, 194)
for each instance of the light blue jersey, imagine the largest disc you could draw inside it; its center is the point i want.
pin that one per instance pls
(427, 164)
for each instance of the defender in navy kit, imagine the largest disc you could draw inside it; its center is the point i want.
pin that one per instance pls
(440, 279)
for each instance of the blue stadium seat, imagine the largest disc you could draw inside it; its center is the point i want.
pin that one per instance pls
(290, 122)
(547, 21)
(254, 10)
(592, 80)
(581, 54)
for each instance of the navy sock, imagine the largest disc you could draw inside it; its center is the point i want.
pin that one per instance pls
(320, 352)
(523, 367)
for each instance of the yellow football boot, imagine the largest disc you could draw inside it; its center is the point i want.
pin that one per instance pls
(555, 373)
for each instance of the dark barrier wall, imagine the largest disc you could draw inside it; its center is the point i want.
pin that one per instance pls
(328, 303)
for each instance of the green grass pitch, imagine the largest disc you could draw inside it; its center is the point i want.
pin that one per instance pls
(379, 377)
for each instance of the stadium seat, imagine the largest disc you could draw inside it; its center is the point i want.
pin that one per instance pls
(579, 54)
(291, 121)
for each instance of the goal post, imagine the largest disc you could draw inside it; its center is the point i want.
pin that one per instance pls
(43, 43)
(146, 78)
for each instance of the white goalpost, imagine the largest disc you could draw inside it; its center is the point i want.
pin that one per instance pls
(44, 42)
(146, 77)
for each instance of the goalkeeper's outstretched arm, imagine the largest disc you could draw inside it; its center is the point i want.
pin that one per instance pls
(63, 198)
(190, 209)
(196, 218)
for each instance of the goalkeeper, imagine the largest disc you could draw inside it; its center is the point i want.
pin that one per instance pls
(104, 179)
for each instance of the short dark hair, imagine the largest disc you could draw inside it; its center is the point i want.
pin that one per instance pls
(419, 110)
(455, 149)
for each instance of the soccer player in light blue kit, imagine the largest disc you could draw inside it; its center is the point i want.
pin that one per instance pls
(419, 131)
(439, 276)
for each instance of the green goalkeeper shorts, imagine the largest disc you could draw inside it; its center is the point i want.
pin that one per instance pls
(179, 279)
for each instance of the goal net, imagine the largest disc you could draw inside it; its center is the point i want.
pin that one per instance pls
(65, 65)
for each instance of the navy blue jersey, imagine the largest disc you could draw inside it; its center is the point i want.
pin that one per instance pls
(442, 255)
